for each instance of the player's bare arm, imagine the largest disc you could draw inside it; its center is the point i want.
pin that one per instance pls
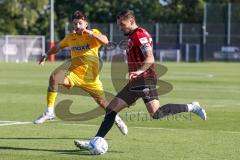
(53, 50)
(100, 37)
(146, 64)
(80, 27)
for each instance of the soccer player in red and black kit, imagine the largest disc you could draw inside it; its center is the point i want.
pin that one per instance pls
(142, 79)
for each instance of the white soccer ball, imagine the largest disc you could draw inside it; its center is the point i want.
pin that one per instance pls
(98, 145)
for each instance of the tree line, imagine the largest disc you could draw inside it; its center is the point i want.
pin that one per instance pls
(31, 17)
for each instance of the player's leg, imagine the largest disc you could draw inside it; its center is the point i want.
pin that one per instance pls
(158, 112)
(102, 102)
(123, 99)
(96, 91)
(115, 106)
(57, 78)
(150, 97)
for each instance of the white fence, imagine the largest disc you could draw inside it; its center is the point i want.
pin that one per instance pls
(21, 48)
(168, 55)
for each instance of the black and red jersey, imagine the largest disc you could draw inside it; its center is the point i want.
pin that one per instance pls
(138, 39)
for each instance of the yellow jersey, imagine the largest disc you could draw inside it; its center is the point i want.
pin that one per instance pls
(84, 55)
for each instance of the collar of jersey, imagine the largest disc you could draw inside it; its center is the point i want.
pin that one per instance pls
(134, 31)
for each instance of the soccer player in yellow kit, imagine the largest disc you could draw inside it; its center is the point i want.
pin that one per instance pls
(84, 69)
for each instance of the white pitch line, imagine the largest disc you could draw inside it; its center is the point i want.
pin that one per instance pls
(193, 74)
(177, 129)
(83, 125)
(14, 123)
(148, 128)
(218, 106)
(154, 128)
(7, 121)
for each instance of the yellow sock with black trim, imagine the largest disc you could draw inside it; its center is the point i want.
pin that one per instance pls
(51, 97)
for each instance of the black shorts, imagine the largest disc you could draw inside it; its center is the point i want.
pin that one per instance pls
(140, 88)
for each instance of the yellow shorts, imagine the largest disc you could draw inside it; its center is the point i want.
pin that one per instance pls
(94, 88)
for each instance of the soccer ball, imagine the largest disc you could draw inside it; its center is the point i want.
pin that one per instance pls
(98, 145)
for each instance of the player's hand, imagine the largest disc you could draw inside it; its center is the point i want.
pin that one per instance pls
(135, 74)
(88, 31)
(43, 60)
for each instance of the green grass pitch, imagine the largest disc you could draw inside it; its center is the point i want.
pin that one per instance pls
(185, 137)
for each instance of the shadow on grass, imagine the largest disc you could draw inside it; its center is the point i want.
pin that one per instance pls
(39, 138)
(70, 152)
(43, 138)
(61, 151)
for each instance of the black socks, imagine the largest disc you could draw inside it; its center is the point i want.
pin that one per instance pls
(168, 109)
(107, 123)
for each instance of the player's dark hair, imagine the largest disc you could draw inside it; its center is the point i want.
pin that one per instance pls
(79, 15)
(126, 14)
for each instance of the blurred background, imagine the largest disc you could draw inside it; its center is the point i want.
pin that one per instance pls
(182, 30)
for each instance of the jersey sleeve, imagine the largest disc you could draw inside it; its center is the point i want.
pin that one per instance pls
(64, 43)
(144, 42)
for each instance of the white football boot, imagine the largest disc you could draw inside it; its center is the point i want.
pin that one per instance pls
(198, 110)
(121, 125)
(44, 117)
(82, 144)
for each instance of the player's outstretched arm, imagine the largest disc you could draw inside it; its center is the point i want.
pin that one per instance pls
(53, 50)
(100, 37)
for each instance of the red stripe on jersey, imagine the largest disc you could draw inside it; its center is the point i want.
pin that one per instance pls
(136, 58)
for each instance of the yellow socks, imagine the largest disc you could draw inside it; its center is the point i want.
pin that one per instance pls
(51, 96)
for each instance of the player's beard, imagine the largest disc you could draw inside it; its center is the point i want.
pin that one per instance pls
(78, 31)
(126, 32)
